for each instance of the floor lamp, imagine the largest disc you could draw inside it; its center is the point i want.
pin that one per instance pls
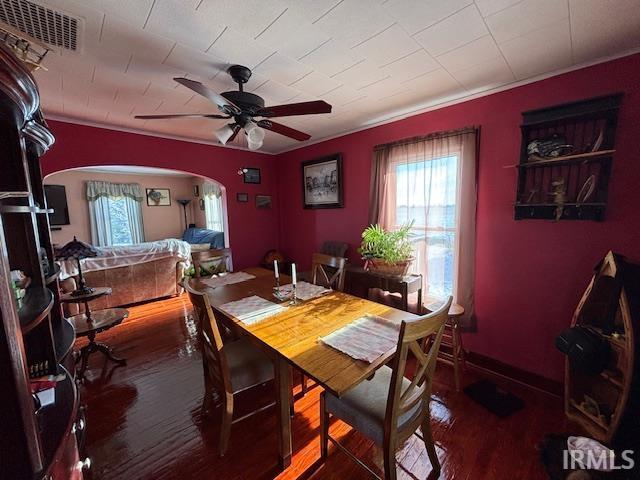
(184, 203)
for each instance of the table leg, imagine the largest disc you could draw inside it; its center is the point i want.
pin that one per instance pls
(283, 400)
(405, 298)
(83, 359)
(107, 351)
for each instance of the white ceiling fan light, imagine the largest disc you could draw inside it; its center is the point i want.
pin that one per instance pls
(255, 135)
(224, 134)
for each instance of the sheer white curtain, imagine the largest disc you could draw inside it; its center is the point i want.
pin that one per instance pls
(115, 213)
(213, 206)
(431, 181)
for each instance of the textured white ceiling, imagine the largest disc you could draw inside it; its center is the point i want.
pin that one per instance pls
(371, 59)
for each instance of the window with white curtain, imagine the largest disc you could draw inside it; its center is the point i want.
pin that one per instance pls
(115, 213)
(213, 206)
(431, 181)
(427, 195)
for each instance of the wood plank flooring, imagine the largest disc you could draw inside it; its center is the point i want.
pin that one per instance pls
(144, 419)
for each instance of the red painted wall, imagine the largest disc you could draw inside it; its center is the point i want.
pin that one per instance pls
(530, 274)
(251, 232)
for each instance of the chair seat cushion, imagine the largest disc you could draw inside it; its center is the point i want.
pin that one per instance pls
(364, 407)
(248, 365)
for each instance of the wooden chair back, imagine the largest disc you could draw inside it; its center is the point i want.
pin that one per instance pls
(335, 249)
(328, 270)
(214, 360)
(224, 254)
(419, 391)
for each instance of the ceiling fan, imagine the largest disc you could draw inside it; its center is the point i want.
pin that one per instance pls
(243, 107)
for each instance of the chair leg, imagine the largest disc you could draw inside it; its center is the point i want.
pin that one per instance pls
(389, 457)
(324, 428)
(455, 350)
(208, 394)
(225, 427)
(461, 348)
(303, 381)
(427, 437)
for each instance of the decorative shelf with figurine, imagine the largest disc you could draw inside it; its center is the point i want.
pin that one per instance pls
(565, 160)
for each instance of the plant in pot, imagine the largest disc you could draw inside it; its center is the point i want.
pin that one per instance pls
(387, 252)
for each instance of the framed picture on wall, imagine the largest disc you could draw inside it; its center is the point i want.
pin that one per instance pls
(252, 175)
(242, 197)
(263, 201)
(158, 197)
(196, 190)
(322, 182)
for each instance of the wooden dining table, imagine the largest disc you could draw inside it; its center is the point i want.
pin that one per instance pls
(290, 338)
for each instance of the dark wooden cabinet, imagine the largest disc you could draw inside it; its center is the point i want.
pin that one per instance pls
(35, 339)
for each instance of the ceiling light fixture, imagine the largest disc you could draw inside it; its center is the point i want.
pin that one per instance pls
(255, 135)
(224, 133)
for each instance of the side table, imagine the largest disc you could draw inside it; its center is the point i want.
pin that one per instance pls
(357, 278)
(89, 324)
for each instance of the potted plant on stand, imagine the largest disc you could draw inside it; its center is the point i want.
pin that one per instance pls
(387, 252)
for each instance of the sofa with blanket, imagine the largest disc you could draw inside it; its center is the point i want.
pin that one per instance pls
(135, 273)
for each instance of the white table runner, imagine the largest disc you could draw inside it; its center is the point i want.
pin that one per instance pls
(366, 338)
(227, 279)
(251, 310)
(304, 290)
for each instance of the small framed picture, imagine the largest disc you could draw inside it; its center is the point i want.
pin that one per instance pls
(158, 197)
(322, 182)
(242, 197)
(252, 175)
(196, 190)
(201, 204)
(263, 201)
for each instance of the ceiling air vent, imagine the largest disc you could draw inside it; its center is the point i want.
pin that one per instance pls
(45, 24)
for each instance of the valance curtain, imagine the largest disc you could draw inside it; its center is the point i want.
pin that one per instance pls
(213, 206)
(97, 189)
(432, 181)
(115, 213)
(211, 189)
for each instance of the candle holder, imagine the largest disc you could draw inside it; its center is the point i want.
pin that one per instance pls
(294, 297)
(276, 290)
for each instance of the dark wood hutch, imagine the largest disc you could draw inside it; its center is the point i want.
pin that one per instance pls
(36, 339)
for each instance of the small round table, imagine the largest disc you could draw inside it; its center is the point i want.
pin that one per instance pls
(89, 324)
(85, 297)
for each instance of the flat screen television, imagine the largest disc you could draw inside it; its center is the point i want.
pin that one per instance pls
(56, 196)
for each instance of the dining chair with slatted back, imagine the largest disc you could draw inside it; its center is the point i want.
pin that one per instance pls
(229, 367)
(328, 271)
(389, 407)
(224, 254)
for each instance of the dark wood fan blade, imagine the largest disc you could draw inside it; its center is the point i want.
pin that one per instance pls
(303, 108)
(222, 103)
(181, 115)
(236, 129)
(284, 130)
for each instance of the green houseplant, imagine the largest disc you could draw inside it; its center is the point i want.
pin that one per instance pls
(385, 251)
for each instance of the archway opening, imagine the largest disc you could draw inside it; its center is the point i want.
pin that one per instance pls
(167, 202)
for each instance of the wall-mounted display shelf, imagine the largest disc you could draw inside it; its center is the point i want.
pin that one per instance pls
(565, 160)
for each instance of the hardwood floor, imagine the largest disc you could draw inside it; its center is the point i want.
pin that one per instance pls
(144, 419)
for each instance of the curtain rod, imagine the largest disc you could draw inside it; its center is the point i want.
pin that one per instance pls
(422, 138)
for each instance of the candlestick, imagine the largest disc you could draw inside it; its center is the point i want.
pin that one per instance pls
(275, 268)
(294, 280)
